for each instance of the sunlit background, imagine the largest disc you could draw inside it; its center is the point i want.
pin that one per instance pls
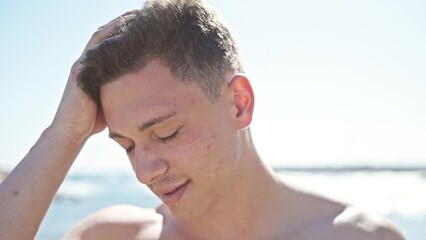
(337, 83)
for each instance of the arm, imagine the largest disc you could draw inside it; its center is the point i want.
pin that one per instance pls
(29, 189)
(26, 194)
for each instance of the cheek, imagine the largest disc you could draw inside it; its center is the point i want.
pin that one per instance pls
(206, 154)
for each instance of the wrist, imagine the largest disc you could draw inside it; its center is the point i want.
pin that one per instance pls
(63, 137)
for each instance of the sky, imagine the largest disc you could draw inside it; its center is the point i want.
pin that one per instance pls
(336, 82)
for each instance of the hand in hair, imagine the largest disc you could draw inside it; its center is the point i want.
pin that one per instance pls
(78, 117)
(27, 192)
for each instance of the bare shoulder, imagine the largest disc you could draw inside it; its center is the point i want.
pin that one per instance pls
(118, 222)
(325, 218)
(354, 223)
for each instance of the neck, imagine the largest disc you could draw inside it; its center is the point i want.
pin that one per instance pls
(249, 207)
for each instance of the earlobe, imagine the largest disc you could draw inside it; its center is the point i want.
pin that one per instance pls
(243, 100)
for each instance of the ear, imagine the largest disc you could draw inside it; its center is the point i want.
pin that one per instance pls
(243, 100)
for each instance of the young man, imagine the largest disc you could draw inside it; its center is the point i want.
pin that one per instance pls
(168, 83)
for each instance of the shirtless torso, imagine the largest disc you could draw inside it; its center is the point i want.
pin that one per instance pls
(312, 217)
(172, 92)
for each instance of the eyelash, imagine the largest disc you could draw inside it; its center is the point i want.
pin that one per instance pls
(163, 140)
(169, 138)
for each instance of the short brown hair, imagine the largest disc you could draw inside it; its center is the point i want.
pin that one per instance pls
(189, 36)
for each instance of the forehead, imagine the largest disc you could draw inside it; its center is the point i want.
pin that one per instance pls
(146, 93)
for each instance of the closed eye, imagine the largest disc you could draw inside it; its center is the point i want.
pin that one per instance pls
(168, 138)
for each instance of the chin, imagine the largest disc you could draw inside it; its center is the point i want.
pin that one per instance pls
(186, 211)
(185, 214)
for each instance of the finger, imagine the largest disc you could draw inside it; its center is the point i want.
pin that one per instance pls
(132, 12)
(103, 32)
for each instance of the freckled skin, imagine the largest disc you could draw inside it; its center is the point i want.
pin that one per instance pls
(180, 144)
(204, 151)
(230, 193)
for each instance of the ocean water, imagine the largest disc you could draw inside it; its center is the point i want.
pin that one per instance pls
(399, 194)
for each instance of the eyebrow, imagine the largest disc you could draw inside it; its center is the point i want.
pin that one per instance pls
(146, 124)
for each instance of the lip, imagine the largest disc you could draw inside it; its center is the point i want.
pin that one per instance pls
(174, 195)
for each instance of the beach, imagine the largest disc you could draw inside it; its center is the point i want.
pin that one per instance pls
(399, 194)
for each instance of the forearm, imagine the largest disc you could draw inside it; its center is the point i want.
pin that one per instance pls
(26, 194)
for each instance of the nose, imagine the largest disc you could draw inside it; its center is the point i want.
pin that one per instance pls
(148, 165)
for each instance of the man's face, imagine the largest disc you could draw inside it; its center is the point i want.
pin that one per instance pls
(183, 146)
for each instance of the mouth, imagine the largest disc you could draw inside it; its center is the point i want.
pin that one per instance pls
(173, 196)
